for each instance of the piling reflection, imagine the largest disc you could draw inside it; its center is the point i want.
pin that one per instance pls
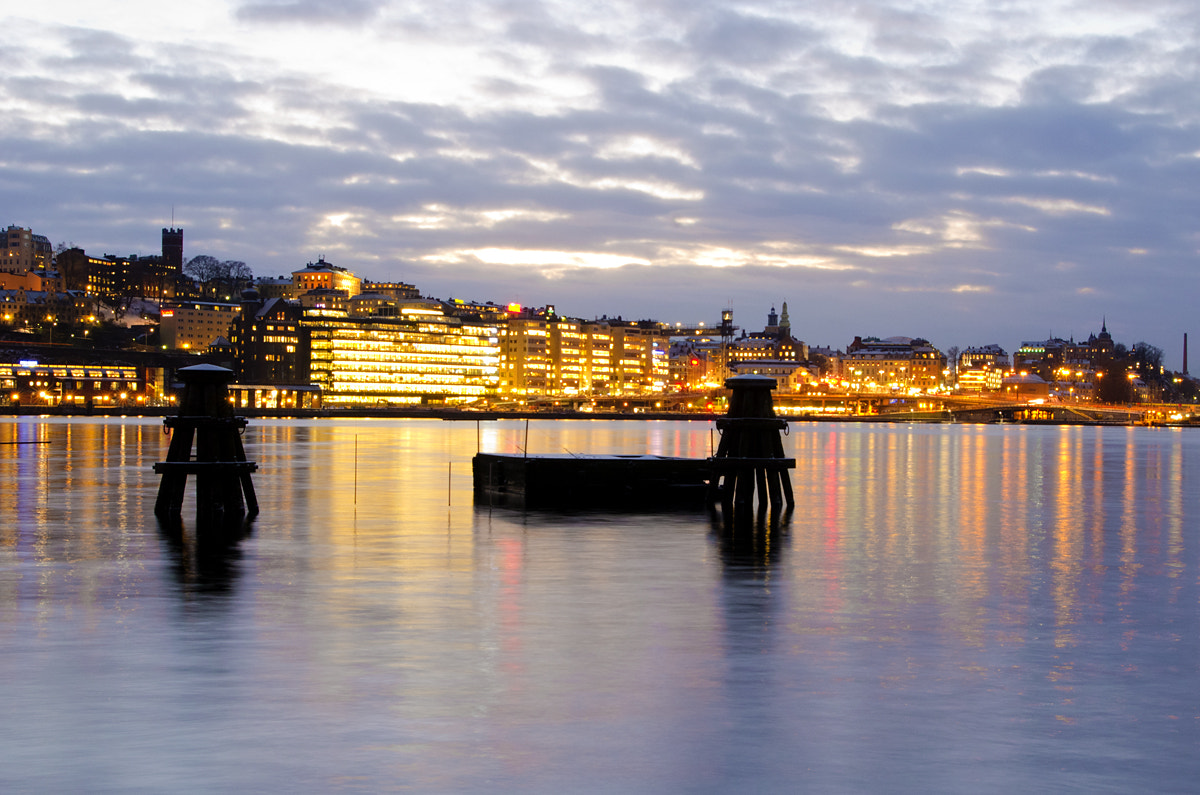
(204, 558)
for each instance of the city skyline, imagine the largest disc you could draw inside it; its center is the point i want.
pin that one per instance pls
(957, 172)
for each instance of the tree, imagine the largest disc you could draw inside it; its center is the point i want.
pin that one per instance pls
(1148, 357)
(219, 277)
(203, 268)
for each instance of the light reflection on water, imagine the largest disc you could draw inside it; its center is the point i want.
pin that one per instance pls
(949, 608)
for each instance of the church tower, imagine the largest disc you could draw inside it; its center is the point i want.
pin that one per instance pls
(172, 249)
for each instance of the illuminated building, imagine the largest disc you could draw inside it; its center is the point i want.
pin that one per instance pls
(790, 375)
(688, 366)
(775, 343)
(894, 363)
(394, 289)
(1026, 386)
(34, 308)
(982, 369)
(30, 383)
(419, 355)
(270, 345)
(525, 356)
(269, 287)
(322, 275)
(193, 325)
(1072, 368)
(633, 356)
(154, 276)
(545, 354)
(23, 251)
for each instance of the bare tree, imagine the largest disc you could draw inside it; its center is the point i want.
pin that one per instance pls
(217, 277)
(203, 268)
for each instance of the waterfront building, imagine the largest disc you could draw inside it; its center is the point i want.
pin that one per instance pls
(982, 369)
(194, 325)
(545, 354)
(895, 363)
(525, 354)
(34, 384)
(1073, 369)
(1026, 386)
(270, 344)
(792, 376)
(775, 342)
(689, 363)
(624, 357)
(421, 355)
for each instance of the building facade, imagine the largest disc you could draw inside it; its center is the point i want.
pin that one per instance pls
(270, 342)
(895, 363)
(421, 355)
(33, 384)
(982, 369)
(322, 275)
(543, 354)
(194, 325)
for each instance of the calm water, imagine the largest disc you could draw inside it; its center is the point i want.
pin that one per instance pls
(950, 609)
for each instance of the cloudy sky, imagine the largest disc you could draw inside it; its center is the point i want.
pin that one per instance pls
(970, 172)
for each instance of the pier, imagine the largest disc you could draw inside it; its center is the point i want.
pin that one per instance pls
(750, 459)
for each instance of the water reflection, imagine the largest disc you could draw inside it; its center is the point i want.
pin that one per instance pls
(946, 609)
(204, 557)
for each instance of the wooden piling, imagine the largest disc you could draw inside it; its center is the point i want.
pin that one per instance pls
(750, 455)
(224, 489)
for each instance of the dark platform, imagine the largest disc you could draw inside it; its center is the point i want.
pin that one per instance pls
(589, 482)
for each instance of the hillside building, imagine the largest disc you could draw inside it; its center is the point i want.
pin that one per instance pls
(195, 325)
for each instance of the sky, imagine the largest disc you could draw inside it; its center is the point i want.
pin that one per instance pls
(967, 172)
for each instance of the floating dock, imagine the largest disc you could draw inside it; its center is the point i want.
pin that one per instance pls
(750, 459)
(589, 482)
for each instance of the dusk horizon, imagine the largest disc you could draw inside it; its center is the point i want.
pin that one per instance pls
(968, 174)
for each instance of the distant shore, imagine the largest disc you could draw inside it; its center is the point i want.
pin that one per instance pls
(469, 415)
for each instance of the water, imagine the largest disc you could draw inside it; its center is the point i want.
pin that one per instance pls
(950, 609)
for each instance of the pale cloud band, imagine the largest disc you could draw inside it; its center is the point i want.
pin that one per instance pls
(952, 152)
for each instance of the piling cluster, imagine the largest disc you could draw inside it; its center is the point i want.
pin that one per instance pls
(750, 456)
(224, 490)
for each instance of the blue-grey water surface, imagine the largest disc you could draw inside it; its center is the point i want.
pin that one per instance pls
(949, 609)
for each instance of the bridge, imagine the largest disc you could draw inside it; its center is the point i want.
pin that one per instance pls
(880, 407)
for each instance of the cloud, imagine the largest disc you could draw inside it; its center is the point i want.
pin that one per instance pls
(933, 161)
(310, 12)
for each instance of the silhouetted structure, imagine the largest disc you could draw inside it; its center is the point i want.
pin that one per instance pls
(220, 466)
(751, 450)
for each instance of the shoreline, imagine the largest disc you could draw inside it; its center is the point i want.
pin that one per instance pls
(461, 415)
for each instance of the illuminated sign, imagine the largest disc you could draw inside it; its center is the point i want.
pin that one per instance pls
(28, 363)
